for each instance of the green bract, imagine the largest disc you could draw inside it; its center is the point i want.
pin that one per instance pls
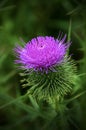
(53, 85)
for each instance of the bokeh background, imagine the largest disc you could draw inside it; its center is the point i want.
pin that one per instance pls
(21, 20)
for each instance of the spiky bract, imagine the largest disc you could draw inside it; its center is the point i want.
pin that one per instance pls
(54, 84)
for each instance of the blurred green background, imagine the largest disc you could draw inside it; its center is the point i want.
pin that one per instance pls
(25, 19)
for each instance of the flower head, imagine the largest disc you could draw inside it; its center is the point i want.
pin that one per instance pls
(42, 53)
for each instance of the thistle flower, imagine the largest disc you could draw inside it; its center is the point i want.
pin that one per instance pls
(42, 53)
(46, 54)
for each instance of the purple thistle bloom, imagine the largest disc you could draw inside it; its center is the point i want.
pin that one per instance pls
(42, 53)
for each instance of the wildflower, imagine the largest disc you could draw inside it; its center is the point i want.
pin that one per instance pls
(42, 53)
